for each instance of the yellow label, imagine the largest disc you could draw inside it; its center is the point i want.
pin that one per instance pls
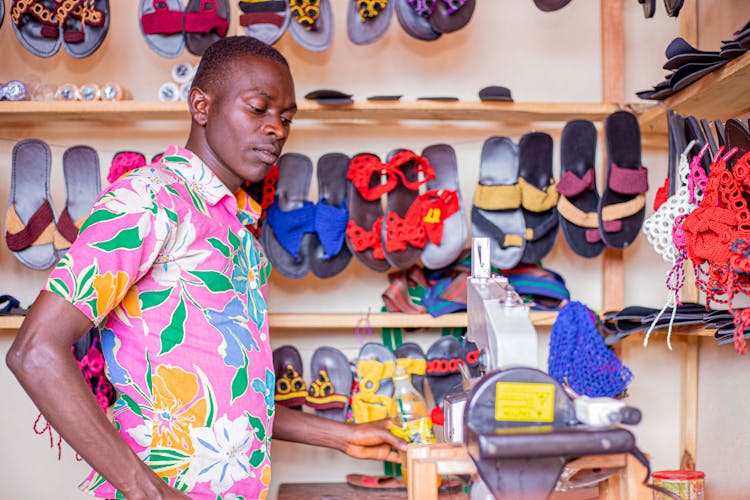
(524, 402)
(416, 431)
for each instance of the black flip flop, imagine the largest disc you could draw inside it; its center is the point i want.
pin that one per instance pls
(291, 390)
(330, 256)
(443, 372)
(328, 393)
(451, 15)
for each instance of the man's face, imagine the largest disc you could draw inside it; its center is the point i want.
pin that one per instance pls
(249, 118)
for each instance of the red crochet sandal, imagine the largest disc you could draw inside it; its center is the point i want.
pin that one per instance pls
(206, 21)
(263, 193)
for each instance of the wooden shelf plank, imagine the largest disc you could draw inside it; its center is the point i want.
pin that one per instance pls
(114, 111)
(720, 95)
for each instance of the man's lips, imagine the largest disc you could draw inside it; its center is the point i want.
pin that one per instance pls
(267, 155)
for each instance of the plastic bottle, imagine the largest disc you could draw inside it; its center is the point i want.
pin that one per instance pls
(410, 419)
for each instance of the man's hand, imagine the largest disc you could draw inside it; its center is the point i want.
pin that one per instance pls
(373, 441)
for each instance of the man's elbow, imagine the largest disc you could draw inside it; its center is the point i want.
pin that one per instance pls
(24, 358)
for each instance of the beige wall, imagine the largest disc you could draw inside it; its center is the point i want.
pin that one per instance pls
(540, 56)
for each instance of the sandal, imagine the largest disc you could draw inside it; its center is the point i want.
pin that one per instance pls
(266, 20)
(376, 365)
(206, 21)
(312, 24)
(443, 373)
(161, 26)
(291, 390)
(368, 20)
(262, 193)
(451, 15)
(329, 393)
(85, 24)
(414, 18)
(36, 26)
(397, 297)
(410, 357)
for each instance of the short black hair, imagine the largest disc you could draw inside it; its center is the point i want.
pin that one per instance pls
(220, 54)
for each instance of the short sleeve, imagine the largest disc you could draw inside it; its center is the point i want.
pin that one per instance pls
(116, 246)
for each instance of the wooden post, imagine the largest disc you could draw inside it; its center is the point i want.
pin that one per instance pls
(689, 406)
(689, 22)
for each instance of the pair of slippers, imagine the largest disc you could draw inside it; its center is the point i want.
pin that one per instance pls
(328, 394)
(168, 26)
(590, 222)
(43, 26)
(428, 20)
(515, 200)
(301, 237)
(310, 22)
(33, 232)
(430, 225)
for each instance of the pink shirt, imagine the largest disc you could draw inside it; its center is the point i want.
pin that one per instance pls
(167, 269)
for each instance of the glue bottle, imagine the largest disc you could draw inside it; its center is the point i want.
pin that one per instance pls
(410, 419)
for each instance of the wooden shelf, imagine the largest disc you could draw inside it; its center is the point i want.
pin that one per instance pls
(720, 95)
(125, 111)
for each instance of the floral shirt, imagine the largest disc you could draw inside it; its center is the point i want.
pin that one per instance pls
(167, 269)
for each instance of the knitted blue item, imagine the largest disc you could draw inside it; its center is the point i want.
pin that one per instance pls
(289, 227)
(330, 224)
(578, 355)
(436, 305)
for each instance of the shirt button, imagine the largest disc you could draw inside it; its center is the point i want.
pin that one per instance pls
(242, 232)
(263, 337)
(253, 285)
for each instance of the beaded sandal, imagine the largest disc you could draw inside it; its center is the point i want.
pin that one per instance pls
(368, 20)
(312, 23)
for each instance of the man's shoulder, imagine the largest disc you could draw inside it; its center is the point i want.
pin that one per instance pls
(150, 179)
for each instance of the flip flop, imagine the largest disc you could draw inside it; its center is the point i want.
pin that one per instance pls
(550, 5)
(363, 231)
(538, 195)
(410, 356)
(368, 20)
(443, 375)
(496, 213)
(328, 253)
(451, 15)
(161, 26)
(679, 52)
(578, 204)
(622, 204)
(265, 20)
(206, 21)
(82, 187)
(34, 26)
(30, 221)
(414, 18)
(329, 393)
(692, 72)
(83, 34)
(376, 365)
(454, 231)
(312, 23)
(291, 218)
(291, 390)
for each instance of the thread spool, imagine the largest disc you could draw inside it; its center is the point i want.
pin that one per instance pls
(169, 92)
(183, 73)
(112, 91)
(15, 91)
(89, 92)
(67, 92)
(184, 91)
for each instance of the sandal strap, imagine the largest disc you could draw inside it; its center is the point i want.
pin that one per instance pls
(543, 229)
(612, 215)
(571, 185)
(305, 12)
(66, 231)
(628, 180)
(248, 6)
(38, 231)
(504, 240)
(290, 226)
(444, 366)
(362, 240)
(452, 6)
(361, 170)
(252, 18)
(367, 404)
(397, 297)
(330, 224)
(576, 216)
(369, 9)
(285, 393)
(413, 366)
(321, 394)
(423, 8)
(206, 20)
(497, 197)
(435, 207)
(402, 231)
(162, 21)
(36, 9)
(534, 199)
(401, 158)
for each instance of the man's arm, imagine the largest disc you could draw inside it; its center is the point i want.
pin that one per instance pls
(370, 441)
(41, 359)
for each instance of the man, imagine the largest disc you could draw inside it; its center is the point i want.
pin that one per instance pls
(166, 267)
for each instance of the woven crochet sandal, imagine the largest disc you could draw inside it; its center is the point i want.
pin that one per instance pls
(444, 219)
(82, 187)
(538, 195)
(364, 229)
(206, 21)
(443, 373)
(266, 20)
(291, 218)
(496, 213)
(161, 26)
(368, 20)
(328, 253)
(376, 365)
(85, 24)
(329, 393)
(291, 390)
(623, 201)
(263, 193)
(410, 357)
(451, 15)
(30, 221)
(36, 26)
(124, 162)
(414, 18)
(312, 23)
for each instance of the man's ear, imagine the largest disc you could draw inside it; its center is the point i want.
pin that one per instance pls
(199, 102)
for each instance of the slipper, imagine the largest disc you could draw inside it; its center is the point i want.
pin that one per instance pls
(375, 482)
(291, 390)
(649, 8)
(410, 357)
(495, 93)
(363, 231)
(443, 374)
(446, 227)
(161, 26)
(692, 72)
(368, 20)
(579, 201)
(30, 222)
(496, 213)
(11, 306)
(414, 18)
(451, 15)
(550, 5)
(206, 21)
(737, 136)
(329, 97)
(328, 253)
(673, 7)
(82, 187)
(679, 52)
(376, 365)
(265, 20)
(35, 25)
(85, 30)
(538, 195)
(623, 201)
(329, 393)
(312, 23)
(439, 98)
(392, 97)
(291, 218)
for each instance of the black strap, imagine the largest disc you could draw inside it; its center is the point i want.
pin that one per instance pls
(269, 6)
(545, 227)
(487, 227)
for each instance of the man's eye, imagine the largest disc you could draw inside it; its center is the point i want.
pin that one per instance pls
(257, 109)
(286, 121)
